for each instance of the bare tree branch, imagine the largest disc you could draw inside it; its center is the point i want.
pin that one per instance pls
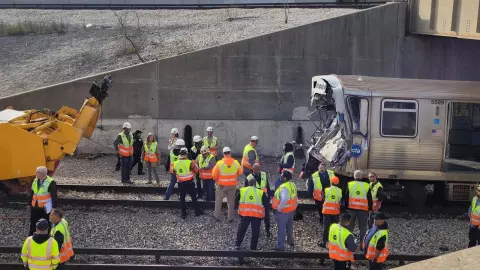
(125, 34)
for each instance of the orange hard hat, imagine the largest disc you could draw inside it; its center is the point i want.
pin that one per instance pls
(335, 180)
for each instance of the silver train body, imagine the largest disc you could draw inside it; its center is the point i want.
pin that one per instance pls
(423, 131)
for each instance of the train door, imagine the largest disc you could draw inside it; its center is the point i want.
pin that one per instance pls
(463, 138)
(358, 108)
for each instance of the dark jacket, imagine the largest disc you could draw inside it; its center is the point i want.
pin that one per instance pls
(193, 155)
(350, 243)
(53, 193)
(137, 146)
(381, 194)
(369, 197)
(40, 238)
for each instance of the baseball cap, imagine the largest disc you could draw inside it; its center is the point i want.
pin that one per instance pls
(42, 224)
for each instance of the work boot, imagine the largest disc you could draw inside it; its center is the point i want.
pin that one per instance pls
(117, 169)
(149, 182)
(141, 173)
(183, 216)
(199, 213)
(268, 234)
(322, 244)
(158, 182)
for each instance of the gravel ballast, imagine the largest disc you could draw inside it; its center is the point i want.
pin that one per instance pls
(123, 227)
(100, 171)
(64, 48)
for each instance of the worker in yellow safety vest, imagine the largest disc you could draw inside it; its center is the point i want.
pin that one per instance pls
(375, 244)
(184, 170)
(285, 202)
(358, 199)
(287, 163)
(173, 157)
(226, 173)
(250, 157)
(331, 208)
(151, 156)
(341, 243)
(261, 182)
(378, 196)
(40, 251)
(124, 145)
(325, 177)
(251, 211)
(193, 154)
(211, 142)
(61, 233)
(43, 197)
(474, 214)
(205, 163)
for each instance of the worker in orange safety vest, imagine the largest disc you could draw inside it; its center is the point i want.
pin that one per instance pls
(251, 211)
(124, 145)
(226, 173)
(341, 243)
(61, 233)
(331, 208)
(285, 202)
(375, 244)
(43, 197)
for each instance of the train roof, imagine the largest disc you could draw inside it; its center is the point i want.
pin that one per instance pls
(410, 88)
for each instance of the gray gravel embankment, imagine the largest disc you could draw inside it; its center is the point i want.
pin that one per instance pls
(35, 60)
(101, 172)
(160, 228)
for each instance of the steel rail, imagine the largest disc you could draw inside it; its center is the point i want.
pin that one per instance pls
(318, 4)
(158, 253)
(74, 266)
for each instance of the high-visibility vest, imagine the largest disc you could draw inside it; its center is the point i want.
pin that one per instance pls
(66, 251)
(337, 249)
(330, 175)
(125, 149)
(150, 152)
(40, 256)
(317, 186)
(475, 214)
(202, 164)
(228, 174)
(212, 146)
(40, 194)
(251, 203)
(245, 160)
(372, 246)
(374, 188)
(357, 192)
(173, 158)
(284, 159)
(182, 170)
(263, 181)
(331, 205)
(292, 202)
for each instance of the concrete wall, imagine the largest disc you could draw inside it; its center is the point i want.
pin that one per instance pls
(235, 134)
(265, 78)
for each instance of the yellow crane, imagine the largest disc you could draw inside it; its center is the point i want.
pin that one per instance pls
(33, 138)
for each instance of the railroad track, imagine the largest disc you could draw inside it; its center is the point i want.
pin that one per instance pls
(241, 255)
(279, 4)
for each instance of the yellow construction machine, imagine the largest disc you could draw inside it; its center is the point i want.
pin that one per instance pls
(33, 138)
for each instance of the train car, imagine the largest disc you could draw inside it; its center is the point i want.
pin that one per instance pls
(418, 136)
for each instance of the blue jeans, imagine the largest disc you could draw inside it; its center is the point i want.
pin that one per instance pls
(285, 226)
(173, 181)
(126, 163)
(209, 189)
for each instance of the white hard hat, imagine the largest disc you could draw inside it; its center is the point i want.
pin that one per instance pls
(180, 142)
(209, 129)
(197, 138)
(183, 151)
(127, 125)
(254, 138)
(174, 131)
(226, 149)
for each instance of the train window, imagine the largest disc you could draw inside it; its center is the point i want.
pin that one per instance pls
(359, 112)
(399, 118)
